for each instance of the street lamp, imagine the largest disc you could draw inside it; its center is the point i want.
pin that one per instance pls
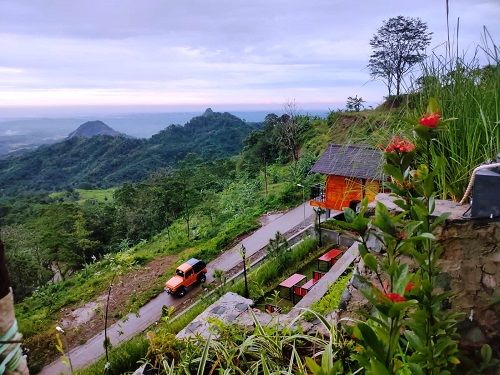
(303, 201)
(243, 252)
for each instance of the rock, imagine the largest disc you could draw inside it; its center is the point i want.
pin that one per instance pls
(443, 281)
(489, 281)
(344, 299)
(490, 268)
(474, 334)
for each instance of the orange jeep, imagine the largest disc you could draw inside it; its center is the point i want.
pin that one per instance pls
(186, 274)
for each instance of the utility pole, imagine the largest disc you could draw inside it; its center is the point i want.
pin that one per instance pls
(303, 201)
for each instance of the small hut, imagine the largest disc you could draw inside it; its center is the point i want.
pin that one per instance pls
(352, 173)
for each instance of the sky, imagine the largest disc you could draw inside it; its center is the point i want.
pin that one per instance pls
(65, 56)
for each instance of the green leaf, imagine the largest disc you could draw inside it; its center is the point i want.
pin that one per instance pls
(265, 368)
(378, 367)
(383, 219)
(204, 357)
(423, 131)
(415, 341)
(429, 185)
(326, 358)
(362, 250)
(349, 214)
(394, 172)
(407, 159)
(415, 369)
(441, 218)
(433, 106)
(432, 203)
(410, 228)
(392, 158)
(370, 262)
(454, 360)
(422, 237)
(486, 353)
(366, 333)
(313, 366)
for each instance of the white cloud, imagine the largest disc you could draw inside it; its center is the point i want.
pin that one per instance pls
(59, 52)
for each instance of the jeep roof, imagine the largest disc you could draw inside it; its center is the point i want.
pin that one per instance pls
(196, 264)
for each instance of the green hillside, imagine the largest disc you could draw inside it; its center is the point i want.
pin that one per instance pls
(105, 161)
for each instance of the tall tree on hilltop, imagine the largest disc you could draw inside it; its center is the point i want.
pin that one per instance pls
(397, 46)
(288, 130)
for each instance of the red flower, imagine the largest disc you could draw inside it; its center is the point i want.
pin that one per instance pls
(400, 146)
(430, 120)
(394, 297)
(409, 287)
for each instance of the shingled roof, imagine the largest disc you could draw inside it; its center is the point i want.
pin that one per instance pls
(351, 161)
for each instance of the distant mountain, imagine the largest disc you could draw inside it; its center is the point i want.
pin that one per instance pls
(103, 161)
(93, 128)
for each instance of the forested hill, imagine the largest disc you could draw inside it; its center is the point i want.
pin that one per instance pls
(92, 128)
(104, 161)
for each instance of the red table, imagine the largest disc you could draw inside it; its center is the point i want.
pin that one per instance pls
(330, 257)
(289, 283)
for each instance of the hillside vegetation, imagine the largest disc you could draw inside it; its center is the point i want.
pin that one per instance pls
(107, 161)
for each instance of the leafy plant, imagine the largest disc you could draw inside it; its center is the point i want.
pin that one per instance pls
(408, 308)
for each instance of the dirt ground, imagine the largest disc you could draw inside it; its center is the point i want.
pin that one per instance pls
(84, 322)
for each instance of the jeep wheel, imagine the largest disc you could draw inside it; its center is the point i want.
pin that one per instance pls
(202, 278)
(182, 291)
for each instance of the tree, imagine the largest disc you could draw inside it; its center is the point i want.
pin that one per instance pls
(355, 104)
(260, 148)
(27, 263)
(288, 130)
(397, 46)
(185, 181)
(60, 230)
(276, 245)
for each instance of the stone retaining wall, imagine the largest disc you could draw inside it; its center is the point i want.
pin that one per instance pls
(470, 265)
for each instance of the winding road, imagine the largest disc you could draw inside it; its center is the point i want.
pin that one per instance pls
(150, 313)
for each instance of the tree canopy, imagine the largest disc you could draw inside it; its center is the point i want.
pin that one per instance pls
(103, 161)
(397, 46)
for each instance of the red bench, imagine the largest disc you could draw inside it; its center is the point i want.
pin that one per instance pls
(272, 308)
(301, 291)
(330, 258)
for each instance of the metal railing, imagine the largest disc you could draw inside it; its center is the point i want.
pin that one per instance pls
(318, 193)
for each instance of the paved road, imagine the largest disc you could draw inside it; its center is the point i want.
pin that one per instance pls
(150, 313)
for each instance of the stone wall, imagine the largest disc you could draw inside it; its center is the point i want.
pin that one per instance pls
(470, 266)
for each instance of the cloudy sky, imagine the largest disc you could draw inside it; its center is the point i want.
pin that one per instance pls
(66, 55)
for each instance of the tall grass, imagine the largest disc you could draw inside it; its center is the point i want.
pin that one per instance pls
(470, 93)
